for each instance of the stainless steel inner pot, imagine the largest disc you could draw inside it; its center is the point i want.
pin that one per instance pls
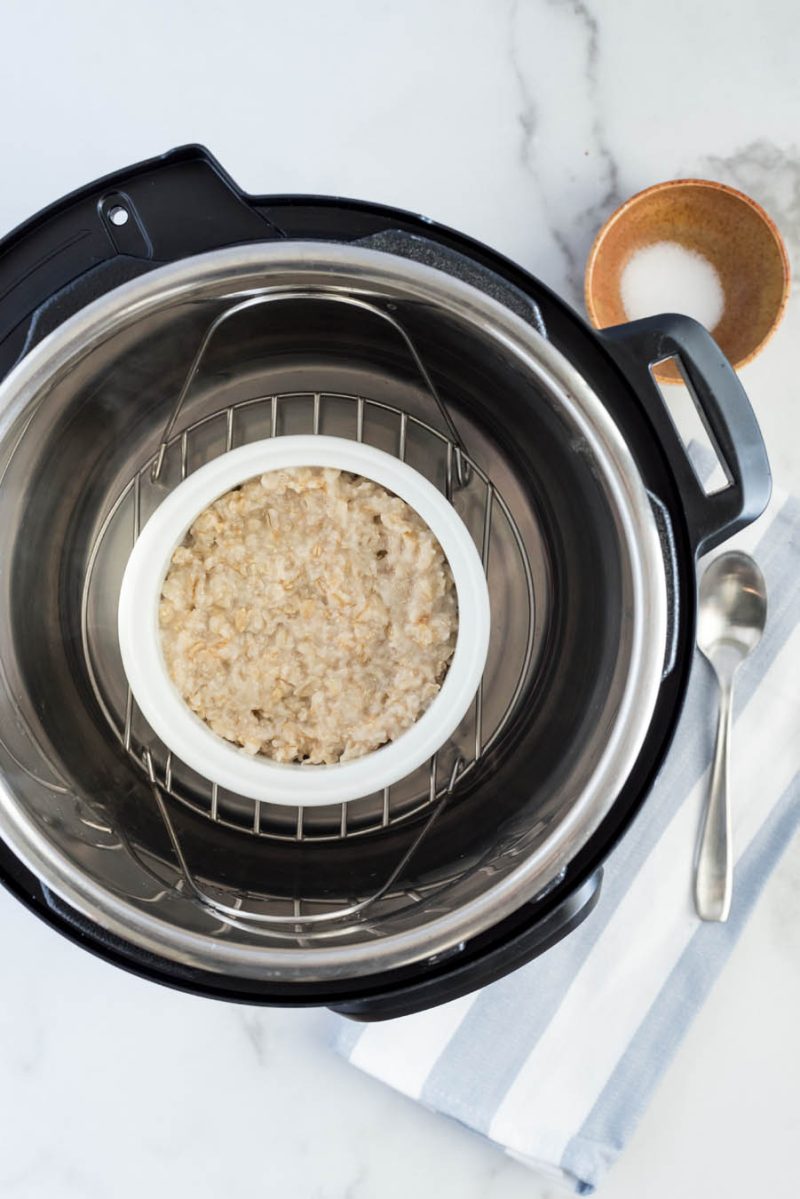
(111, 410)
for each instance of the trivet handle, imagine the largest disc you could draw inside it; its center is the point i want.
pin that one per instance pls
(723, 406)
(412, 246)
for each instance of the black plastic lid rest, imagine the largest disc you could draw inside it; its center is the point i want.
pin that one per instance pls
(180, 204)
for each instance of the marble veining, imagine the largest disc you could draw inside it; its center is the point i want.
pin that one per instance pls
(526, 116)
(572, 228)
(770, 174)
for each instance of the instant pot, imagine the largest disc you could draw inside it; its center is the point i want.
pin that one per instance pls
(158, 318)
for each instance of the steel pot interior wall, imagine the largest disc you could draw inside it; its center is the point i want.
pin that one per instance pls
(552, 691)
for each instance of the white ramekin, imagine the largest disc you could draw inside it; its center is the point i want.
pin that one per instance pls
(189, 738)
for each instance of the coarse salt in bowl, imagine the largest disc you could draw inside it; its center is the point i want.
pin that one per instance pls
(188, 736)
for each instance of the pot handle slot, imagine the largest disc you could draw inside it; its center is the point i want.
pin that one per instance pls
(420, 249)
(724, 408)
(669, 554)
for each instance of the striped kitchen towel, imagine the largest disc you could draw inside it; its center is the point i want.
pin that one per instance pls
(522, 1061)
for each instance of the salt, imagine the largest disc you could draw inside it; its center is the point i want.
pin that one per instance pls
(666, 277)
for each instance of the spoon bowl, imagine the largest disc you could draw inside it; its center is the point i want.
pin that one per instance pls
(733, 608)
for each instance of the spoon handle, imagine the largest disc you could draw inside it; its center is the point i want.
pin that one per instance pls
(714, 868)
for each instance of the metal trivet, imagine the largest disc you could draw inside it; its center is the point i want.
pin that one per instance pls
(448, 466)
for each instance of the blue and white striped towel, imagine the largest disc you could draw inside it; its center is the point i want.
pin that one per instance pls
(556, 1062)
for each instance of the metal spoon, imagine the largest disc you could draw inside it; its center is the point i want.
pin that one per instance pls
(733, 611)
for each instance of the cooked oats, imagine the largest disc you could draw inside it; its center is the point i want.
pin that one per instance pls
(309, 616)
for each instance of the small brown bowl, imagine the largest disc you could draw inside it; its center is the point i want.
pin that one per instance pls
(723, 225)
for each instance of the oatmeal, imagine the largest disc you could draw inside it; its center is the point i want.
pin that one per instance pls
(309, 616)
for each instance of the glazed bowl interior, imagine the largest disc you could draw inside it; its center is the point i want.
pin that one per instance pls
(721, 225)
(134, 838)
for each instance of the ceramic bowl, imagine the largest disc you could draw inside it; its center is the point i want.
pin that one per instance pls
(192, 740)
(722, 225)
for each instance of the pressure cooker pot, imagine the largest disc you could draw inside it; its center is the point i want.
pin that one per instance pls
(159, 319)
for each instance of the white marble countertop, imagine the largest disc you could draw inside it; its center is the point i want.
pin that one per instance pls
(523, 124)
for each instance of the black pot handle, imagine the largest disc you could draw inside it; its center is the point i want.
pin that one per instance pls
(149, 214)
(724, 409)
(459, 975)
